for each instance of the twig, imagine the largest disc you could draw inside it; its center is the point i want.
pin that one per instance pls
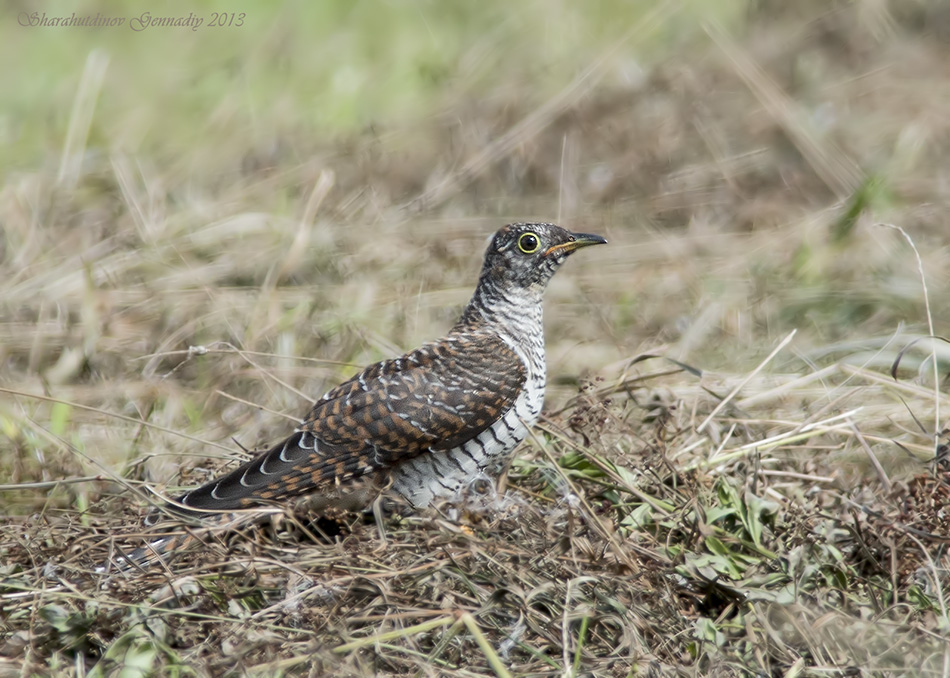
(80, 119)
(741, 384)
(608, 535)
(873, 457)
(930, 327)
(493, 659)
(256, 406)
(50, 484)
(392, 635)
(800, 433)
(114, 415)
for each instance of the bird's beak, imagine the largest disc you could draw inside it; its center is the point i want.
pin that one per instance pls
(578, 240)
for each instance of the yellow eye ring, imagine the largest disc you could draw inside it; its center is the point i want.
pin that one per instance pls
(529, 243)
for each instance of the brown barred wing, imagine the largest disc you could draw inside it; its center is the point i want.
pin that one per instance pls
(435, 398)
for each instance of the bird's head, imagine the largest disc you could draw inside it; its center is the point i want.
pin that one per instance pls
(525, 256)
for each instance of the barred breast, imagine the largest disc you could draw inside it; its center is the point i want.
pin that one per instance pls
(443, 474)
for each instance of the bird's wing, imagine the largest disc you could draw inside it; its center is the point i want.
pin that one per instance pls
(435, 398)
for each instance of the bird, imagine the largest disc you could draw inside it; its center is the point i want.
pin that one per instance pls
(431, 421)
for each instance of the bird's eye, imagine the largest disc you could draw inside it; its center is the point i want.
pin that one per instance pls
(528, 243)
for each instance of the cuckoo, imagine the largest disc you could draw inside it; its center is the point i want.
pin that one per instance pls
(434, 419)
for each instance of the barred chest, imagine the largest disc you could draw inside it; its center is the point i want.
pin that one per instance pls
(442, 474)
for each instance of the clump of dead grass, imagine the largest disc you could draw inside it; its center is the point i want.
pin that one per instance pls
(606, 552)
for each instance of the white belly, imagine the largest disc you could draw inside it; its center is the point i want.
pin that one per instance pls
(442, 474)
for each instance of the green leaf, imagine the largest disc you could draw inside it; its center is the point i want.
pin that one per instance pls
(134, 652)
(705, 629)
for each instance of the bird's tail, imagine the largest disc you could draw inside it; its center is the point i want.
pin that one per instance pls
(179, 538)
(289, 469)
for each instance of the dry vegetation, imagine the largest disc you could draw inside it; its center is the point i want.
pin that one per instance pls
(707, 494)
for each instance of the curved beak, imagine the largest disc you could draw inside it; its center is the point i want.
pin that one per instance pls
(577, 241)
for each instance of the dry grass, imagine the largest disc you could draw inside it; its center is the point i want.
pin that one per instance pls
(708, 493)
